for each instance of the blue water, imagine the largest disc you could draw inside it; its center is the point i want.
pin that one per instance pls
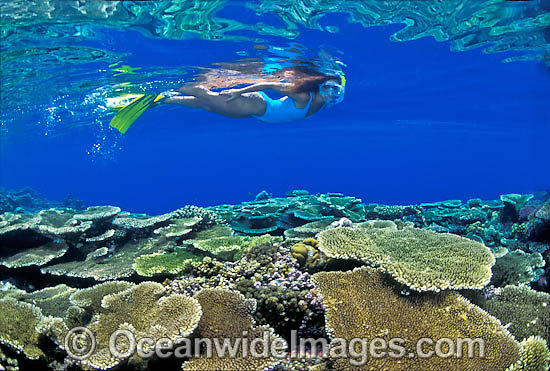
(419, 123)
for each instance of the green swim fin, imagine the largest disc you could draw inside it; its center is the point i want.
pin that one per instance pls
(127, 115)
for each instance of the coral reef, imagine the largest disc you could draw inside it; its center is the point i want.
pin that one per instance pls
(275, 215)
(268, 274)
(66, 267)
(363, 304)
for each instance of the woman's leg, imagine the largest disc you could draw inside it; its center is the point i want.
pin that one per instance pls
(198, 97)
(184, 100)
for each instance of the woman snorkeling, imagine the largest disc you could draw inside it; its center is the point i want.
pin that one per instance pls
(304, 92)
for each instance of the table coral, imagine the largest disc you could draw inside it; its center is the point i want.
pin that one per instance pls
(363, 303)
(18, 321)
(228, 315)
(421, 259)
(146, 312)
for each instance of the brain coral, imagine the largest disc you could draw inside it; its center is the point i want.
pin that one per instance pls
(421, 259)
(364, 304)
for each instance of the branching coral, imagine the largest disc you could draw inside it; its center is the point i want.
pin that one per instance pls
(533, 355)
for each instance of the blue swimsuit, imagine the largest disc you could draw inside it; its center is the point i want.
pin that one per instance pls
(277, 110)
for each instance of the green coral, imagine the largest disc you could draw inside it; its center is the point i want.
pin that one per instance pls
(364, 304)
(18, 327)
(524, 310)
(517, 267)
(421, 259)
(165, 263)
(231, 248)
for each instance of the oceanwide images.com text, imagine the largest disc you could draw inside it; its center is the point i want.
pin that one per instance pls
(80, 343)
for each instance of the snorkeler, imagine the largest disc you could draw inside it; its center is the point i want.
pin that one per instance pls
(304, 92)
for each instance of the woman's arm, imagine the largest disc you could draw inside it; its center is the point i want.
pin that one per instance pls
(279, 87)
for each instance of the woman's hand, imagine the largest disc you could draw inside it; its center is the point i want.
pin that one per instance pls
(231, 93)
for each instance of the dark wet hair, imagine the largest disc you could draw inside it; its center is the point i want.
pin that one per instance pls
(306, 79)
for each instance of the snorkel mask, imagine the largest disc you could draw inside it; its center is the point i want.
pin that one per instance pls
(332, 91)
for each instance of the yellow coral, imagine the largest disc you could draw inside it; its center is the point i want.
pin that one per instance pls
(364, 304)
(421, 259)
(311, 242)
(306, 252)
(299, 251)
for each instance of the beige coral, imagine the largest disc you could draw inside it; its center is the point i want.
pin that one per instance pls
(228, 315)
(90, 298)
(36, 256)
(421, 259)
(363, 303)
(145, 311)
